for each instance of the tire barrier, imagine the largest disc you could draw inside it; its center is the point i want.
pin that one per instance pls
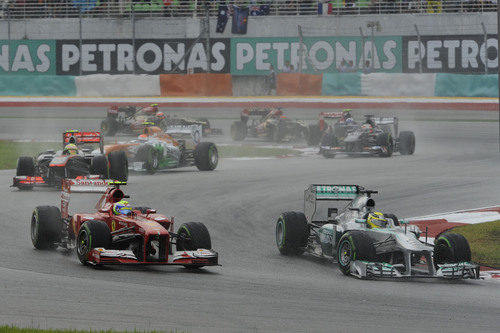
(463, 85)
(42, 85)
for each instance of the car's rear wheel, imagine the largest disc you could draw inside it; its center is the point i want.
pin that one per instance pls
(149, 155)
(384, 140)
(292, 233)
(109, 126)
(92, 234)
(206, 156)
(118, 166)
(238, 130)
(406, 143)
(46, 227)
(451, 248)
(354, 245)
(314, 135)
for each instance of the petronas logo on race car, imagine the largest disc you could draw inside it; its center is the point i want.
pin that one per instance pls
(334, 191)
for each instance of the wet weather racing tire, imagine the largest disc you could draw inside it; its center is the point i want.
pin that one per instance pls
(292, 233)
(46, 227)
(118, 166)
(384, 140)
(206, 156)
(25, 167)
(451, 248)
(99, 166)
(354, 245)
(314, 135)
(238, 131)
(406, 143)
(150, 156)
(328, 140)
(109, 126)
(92, 234)
(192, 236)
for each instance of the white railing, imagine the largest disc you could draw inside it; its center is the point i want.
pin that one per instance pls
(21, 9)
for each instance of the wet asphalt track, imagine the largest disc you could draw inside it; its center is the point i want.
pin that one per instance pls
(456, 166)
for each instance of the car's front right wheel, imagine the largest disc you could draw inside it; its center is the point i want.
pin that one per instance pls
(292, 233)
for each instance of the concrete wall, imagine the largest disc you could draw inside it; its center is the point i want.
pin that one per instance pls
(284, 26)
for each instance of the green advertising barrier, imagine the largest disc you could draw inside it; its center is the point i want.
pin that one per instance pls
(463, 85)
(252, 56)
(28, 57)
(42, 85)
(341, 84)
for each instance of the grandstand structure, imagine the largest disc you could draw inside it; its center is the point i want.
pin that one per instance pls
(26, 9)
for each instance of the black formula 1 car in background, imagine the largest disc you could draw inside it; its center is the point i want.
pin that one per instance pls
(50, 167)
(376, 136)
(132, 120)
(269, 124)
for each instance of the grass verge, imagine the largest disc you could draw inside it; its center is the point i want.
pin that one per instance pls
(484, 240)
(11, 150)
(14, 329)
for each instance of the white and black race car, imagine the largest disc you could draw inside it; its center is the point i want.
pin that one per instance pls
(343, 234)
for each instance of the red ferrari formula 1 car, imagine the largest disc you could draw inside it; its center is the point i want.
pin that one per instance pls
(141, 236)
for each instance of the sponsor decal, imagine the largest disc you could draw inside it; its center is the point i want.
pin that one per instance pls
(336, 191)
(26, 57)
(451, 54)
(253, 56)
(145, 56)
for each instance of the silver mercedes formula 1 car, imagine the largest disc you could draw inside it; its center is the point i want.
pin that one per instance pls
(337, 224)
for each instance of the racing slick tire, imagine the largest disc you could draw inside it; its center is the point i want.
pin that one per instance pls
(192, 236)
(109, 126)
(206, 156)
(314, 135)
(25, 167)
(46, 227)
(292, 233)
(384, 140)
(451, 248)
(99, 166)
(406, 143)
(354, 245)
(118, 166)
(150, 156)
(238, 131)
(92, 234)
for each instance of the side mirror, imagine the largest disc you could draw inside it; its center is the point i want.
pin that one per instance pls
(150, 211)
(360, 220)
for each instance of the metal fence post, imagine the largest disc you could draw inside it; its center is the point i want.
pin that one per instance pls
(486, 68)
(80, 41)
(207, 32)
(134, 63)
(8, 40)
(362, 47)
(419, 50)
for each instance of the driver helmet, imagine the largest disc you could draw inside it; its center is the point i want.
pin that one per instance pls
(155, 107)
(366, 127)
(121, 208)
(70, 149)
(376, 220)
(143, 137)
(160, 115)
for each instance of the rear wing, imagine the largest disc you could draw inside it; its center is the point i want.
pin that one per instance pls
(185, 131)
(77, 137)
(255, 112)
(83, 185)
(327, 192)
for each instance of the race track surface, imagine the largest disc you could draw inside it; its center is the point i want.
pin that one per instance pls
(456, 166)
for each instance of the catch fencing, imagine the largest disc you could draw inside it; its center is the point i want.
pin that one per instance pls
(17, 9)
